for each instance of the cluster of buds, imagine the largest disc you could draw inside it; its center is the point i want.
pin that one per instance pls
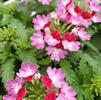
(62, 31)
(54, 84)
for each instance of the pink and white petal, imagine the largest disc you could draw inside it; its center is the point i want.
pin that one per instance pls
(27, 69)
(37, 40)
(50, 40)
(55, 53)
(83, 34)
(71, 46)
(45, 2)
(96, 18)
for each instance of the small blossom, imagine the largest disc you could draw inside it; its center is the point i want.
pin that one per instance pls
(67, 93)
(37, 40)
(27, 71)
(13, 86)
(40, 22)
(57, 76)
(56, 53)
(71, 46)
(83, 34)
(45, 2)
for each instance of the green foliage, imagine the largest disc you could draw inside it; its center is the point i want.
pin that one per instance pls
(7, 70)
(82, 69)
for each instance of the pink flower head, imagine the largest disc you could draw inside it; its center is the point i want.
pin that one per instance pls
(71, 46)
(13, 86)
(61, 12)
(57, 76)
(56, 53)
(69, 92)
(9, 97)
(50, 96)
(41, 22)
(27, 71)
(83, 34)
(37, 40)
(45, 2)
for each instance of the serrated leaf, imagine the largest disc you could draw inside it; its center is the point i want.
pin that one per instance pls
(27, 55)
(67, 69)
(45, 61)
(7, 70)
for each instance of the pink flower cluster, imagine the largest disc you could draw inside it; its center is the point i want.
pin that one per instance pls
(55, 43)
(15, 88)
(69, 12)
(54, 78)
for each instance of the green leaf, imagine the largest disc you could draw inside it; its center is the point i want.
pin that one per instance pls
(45, 61)
(26, 55)
(7, 70)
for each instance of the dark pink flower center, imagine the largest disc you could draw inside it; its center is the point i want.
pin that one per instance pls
(46, 81)
(21, 93)
(70, 36)
(50, 96)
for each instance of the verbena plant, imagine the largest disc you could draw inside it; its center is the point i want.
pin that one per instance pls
(19, 43)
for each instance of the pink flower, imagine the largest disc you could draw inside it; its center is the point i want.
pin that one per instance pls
(83, 34)
(61, 13)
(27, 71)
(94, 5)
(56, 53)
(41, 22)
(50, 96)
(67, 93)
(37, 40)
(96, 18)
(64, 2)
(13, 86)
(50, 40)
(9, 97)
(79, 20)
(71, 46)
(46, 81)
(57, 76)
(45, 2)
